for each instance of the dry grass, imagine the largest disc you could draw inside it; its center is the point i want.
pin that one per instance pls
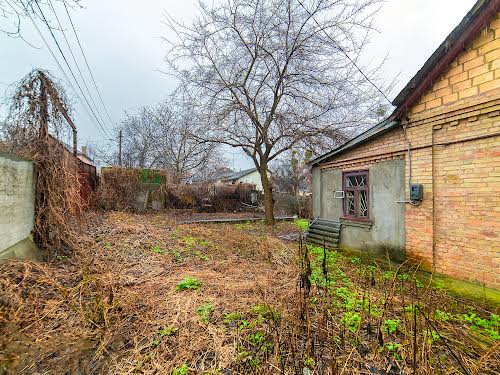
(102, 310)
(114, 308)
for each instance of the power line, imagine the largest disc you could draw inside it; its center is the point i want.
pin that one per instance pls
(346, 54)
(75, 61)
(56, 60)
(69, 67)
(86, 62)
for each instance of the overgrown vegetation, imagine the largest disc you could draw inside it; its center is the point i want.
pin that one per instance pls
(264, 307)
(126, 188)
(39, 117)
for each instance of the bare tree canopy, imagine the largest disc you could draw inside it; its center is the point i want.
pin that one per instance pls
(270, 74)
(12, 12)
(162, 137)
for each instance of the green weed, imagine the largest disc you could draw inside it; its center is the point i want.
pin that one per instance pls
(256, 338)
(403, 276)
(231, 318)
(183, 370)
(392, 346)
(435, 337)
(204, 311)
(441, 315)
(157, 250)
(351, 321)
(309, 362)
(302, 224)
(243, 324)
(438, 284)
(167, 331)
(355, 260)
(243, 226)
(391, 326)
(387, 275)
(266, 312)
(190, 240)
(488, 326)
(188, 283)
(177, 255)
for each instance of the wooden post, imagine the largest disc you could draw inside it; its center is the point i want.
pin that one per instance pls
(120, 148)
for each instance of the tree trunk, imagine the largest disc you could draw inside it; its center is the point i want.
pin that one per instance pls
(268, 194)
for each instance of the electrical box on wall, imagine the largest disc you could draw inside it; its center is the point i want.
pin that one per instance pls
(416, 192)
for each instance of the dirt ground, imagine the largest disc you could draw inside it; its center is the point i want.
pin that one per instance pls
(145, 294)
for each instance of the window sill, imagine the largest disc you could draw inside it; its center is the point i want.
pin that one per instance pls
(366, 224)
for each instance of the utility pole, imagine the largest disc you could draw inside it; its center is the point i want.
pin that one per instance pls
(120, 148)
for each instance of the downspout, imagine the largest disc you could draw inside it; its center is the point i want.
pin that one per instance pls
(433, 204)
(409, 169)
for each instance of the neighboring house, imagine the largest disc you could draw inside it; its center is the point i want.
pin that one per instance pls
(87, 171)
(248, 176)
(442, 142)
(83, 155)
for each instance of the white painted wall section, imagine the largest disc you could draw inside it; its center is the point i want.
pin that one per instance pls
(252, 178)
(17, 200)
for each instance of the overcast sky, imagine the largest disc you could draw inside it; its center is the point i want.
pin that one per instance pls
(122, 41)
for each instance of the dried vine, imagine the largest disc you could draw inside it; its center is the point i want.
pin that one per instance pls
(38, 117)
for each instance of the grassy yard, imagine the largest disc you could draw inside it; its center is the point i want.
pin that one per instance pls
(147, 295)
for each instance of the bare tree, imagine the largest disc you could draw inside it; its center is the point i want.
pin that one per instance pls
(12, 12)
(178, 149)
(162, 136)
(270, 74)
(140, 138)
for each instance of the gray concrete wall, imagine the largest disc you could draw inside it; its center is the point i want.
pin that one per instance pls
(316, 191)
(17, 205)
(331, 181)
(386, 227)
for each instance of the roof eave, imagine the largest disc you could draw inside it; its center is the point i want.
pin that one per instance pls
(366, 136)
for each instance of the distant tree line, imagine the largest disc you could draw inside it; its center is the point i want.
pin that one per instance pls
(163, 137)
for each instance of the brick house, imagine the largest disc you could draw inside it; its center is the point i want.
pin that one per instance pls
(442, 142)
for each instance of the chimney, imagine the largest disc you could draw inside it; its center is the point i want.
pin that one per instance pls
(85, 151)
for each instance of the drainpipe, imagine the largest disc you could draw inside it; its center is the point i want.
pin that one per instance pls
(409, 169)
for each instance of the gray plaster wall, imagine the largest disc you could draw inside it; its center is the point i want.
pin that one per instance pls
(17, 205)
(387, 221)
(316, 191)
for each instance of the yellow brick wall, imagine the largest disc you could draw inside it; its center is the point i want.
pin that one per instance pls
(457, 226)
(454, 132)
(467, 215)
(475, 72)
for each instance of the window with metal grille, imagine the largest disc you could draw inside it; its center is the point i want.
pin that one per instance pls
(355, 186)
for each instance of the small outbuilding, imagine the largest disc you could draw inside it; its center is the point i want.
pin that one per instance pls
(425, 183)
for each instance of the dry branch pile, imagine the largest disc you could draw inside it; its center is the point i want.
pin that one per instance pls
(149, 296)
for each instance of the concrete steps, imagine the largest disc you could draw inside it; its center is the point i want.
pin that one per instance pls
(322, 231)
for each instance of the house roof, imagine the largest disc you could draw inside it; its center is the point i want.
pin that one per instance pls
(371, 133)
(238, 175)
(455, 43)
